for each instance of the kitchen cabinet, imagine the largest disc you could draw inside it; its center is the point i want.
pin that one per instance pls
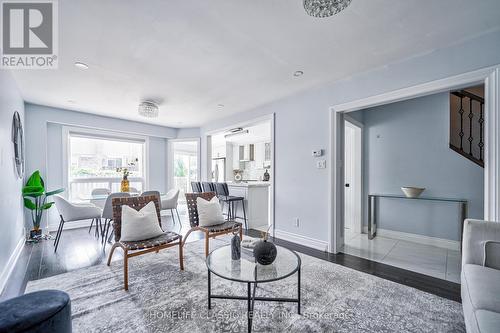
(259, 155)
(256, 202)
(246, 152)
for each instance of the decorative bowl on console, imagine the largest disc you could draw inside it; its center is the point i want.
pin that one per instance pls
(412, 192)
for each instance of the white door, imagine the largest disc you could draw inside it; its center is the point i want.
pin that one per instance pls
(349, 209)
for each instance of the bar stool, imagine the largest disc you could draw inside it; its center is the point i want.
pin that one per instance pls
(222, 191)
(208, 187)
(196, 187)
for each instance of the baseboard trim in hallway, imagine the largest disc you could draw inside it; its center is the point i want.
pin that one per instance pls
(299, 239)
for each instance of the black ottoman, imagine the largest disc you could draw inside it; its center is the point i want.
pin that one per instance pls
(41, 311)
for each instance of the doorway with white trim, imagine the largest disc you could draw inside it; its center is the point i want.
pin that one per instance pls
(339, 112)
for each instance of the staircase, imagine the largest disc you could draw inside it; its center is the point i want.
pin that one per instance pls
(467, 125)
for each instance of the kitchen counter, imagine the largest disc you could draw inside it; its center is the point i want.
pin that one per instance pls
(250, 184)
(256, 196)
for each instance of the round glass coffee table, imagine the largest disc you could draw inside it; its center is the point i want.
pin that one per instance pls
(246, 270)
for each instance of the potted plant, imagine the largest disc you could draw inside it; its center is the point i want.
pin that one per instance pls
(125, 184)
(125, 171)
(35, 199)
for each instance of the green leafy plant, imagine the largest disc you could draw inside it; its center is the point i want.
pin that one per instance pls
(180, 168)
(35, 198)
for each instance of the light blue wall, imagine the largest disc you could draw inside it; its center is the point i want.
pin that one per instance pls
(302, 124)
(44, 129)
(188, 133)
(11, 206)
(407, 144)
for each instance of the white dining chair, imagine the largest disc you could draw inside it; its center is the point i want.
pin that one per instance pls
(107, 212)
(169, 202)
(70, 212)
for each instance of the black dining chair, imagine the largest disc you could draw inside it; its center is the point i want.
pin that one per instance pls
(232, 201)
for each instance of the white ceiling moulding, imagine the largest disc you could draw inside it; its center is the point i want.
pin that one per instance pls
(490, 76)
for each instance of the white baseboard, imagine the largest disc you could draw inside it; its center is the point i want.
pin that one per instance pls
(416, 238)
(302, 240)
(71, 225)
(9, 267)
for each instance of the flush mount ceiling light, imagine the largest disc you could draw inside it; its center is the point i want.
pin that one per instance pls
(235, 130)
(81, 65)
(325, 8)
(236, 133)
(220, 106)
(148, 109)
(298, 73)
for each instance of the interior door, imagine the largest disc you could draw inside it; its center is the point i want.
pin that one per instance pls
(349, 198)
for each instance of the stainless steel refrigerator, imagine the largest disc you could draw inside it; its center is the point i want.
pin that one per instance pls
(219, 169)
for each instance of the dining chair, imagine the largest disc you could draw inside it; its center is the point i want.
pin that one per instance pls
(227, 227)
(70, 212)
(107, 213)
(135, 248)
(98, 202)
(169, 202)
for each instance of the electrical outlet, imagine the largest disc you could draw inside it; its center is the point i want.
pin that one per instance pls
(321, 164)
(296, 222)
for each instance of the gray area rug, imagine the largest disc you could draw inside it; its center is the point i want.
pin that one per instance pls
(161, 298)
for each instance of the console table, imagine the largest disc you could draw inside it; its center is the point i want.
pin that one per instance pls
(372, 207)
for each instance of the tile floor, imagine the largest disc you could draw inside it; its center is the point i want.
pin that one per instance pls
(430, 260)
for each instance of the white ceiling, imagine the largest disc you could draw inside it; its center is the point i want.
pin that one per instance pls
(192, 55)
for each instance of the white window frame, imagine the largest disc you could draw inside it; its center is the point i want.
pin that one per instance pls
(101, 134)
(170, 158)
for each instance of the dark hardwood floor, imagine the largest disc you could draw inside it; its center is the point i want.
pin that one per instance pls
(78, 249)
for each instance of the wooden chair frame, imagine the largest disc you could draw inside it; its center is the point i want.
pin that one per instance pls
(228, 227)
(139, 247)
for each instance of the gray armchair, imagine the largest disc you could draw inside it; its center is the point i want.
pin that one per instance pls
(481, 276)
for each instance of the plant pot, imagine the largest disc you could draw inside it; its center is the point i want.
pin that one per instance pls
(264, 252)
(35, 233)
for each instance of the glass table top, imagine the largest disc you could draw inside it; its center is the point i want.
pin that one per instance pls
(105, 196)
(246, 269)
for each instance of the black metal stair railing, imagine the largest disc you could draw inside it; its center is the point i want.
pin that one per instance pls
(474, 122)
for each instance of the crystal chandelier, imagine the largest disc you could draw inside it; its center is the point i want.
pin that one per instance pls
(148, 109)
(325, 8)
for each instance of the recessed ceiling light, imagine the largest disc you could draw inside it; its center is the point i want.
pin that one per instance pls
(298, 73)
(72, 101)
(81, 65)
(220, 105)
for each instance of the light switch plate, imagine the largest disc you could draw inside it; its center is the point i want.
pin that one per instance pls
(317, 153)
(321, 164)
